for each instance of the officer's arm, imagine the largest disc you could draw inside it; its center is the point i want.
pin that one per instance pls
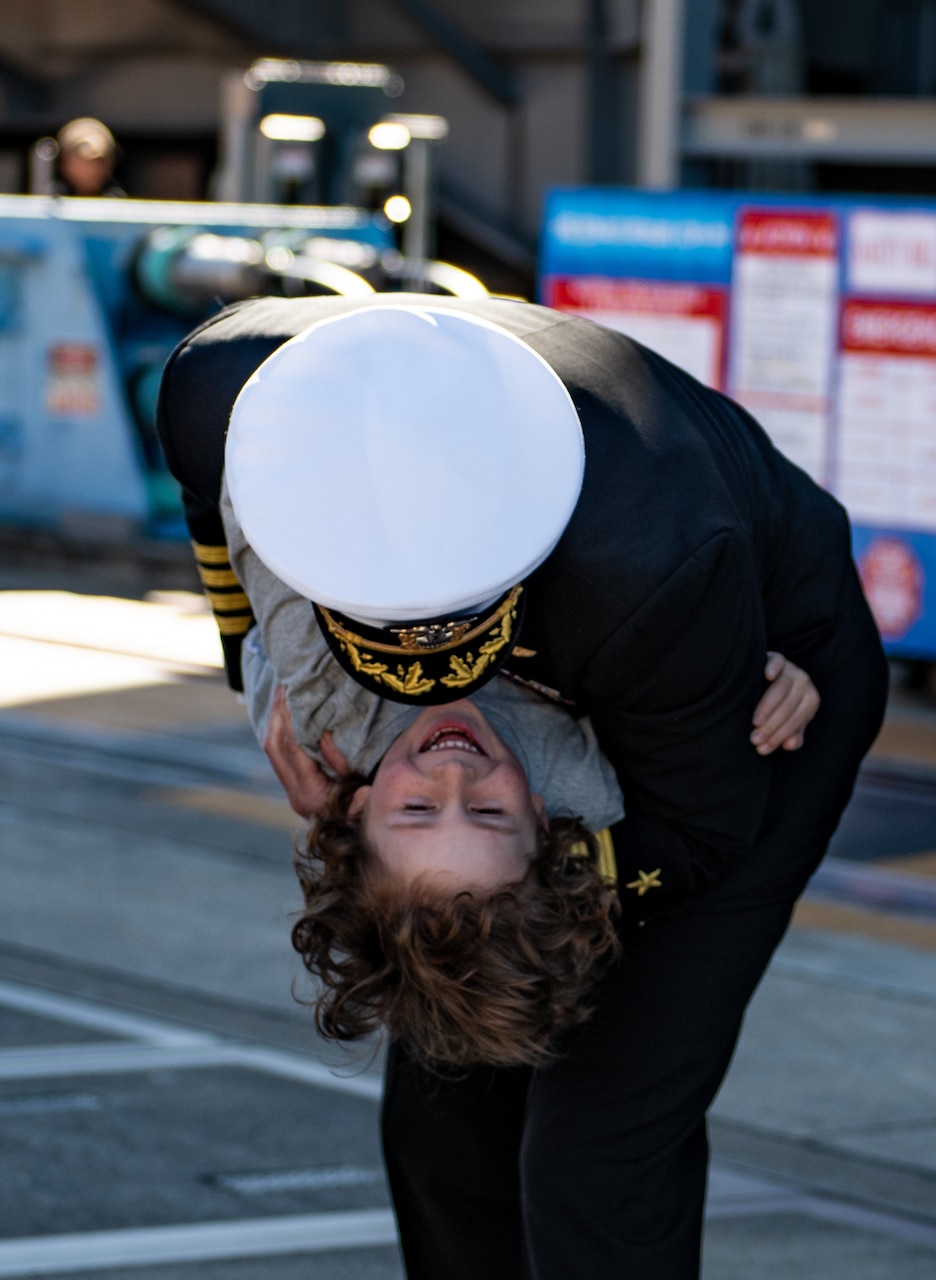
(191, 423)
(671, 695)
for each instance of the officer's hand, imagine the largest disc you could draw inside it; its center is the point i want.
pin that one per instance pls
(308, 788)
(785, 709)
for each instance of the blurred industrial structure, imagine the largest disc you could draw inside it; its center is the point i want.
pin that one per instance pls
(313, 128)
(780, 94)
(96, 292)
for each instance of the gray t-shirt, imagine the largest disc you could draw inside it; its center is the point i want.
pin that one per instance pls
(559, 753)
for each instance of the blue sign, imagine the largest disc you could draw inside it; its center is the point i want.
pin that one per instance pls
(817, 314)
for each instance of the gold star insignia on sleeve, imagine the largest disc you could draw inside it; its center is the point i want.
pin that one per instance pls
(646, 880)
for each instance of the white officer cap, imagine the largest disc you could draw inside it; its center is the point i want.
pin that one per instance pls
(403, 461)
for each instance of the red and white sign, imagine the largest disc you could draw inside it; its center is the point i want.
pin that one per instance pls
(893, 581)
(894, 328)
(683, 322)
(793, 233)
(72, 379)
(887, 414)
(783, 324)
(891, 253)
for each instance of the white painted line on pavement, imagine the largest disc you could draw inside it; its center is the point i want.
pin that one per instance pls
(738, 1195)
(83, 1013)
(294, 1067)
(735, 1195)
(263, 1181)
(860, 1219)
(201, 1242)
(50, 1062)
(47, 1062)
(164, 1046)
(43, 1104)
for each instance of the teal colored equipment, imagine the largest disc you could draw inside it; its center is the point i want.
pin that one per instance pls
(94, 295)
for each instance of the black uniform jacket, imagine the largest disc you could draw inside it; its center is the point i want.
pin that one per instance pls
(694, 548)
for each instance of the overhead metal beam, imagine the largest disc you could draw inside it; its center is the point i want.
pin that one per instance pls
(843, 130)
(278, 26)
(22, 93)
(304, 29)
(499, 81)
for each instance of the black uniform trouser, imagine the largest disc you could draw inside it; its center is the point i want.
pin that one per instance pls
(594, 1168)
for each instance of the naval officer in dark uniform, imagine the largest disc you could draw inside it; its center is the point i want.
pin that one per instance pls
(693, 548)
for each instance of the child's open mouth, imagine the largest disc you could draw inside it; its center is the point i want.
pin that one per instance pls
(451, 737)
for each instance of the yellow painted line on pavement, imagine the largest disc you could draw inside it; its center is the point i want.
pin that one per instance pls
(263, 810)
(905, 740)
(881, 925)
(914, 864)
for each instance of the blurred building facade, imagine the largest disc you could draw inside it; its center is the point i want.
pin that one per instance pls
(787, 94)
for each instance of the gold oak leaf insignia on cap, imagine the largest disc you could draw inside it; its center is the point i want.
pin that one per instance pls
(409, 681)
(646, 880)
(466, 670)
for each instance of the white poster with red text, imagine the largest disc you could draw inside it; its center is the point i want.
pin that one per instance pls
(887, 414)
(783, 322)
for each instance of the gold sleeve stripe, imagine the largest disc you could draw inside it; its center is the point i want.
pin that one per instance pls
(218, 577)
(235, 626)
(210, 555)
(607, 863)
(229, 603)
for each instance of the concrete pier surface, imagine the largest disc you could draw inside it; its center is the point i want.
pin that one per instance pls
(166, 1108)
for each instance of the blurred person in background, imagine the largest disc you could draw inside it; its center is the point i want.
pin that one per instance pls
(87, 157)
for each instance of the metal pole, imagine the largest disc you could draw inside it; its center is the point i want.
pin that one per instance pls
(416, 188)
(233, 179)
(661, 66)
(602, 95)
(263, 149)
(42, 160)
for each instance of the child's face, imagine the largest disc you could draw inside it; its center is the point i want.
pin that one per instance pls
(450, 805)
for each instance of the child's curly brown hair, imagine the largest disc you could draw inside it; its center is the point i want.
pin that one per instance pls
(462, 980)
